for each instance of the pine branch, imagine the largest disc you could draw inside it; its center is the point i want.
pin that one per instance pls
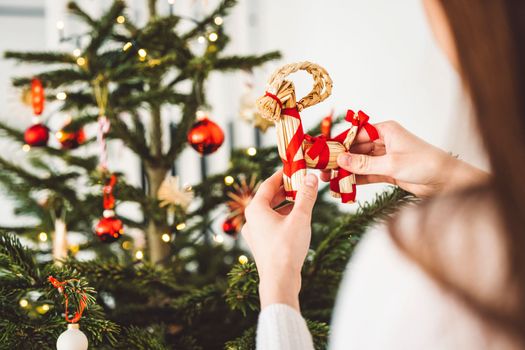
(244, 62)
(221, 10)
(242, 288)
(40, 57)
(78, 12)
(104, 27)
(55, 79)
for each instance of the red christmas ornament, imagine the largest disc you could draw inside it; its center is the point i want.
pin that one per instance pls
(231, 226)
(71, 140)
(326, 125)
(37, 96)
(109, 229)
(205, 136)
(36, 135)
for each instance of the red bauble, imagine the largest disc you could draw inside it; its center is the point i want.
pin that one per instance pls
(109, 229)
(230, 226)
(326, 125)
(205, 136)
(37, 135)
(71, 140)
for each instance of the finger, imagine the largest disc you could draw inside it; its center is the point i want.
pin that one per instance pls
(306, 196)
(285, 209)
(268, 189)
(372, 179)
(325, 175)
(362, 135)
(364, 164)
(279, 198)
(369, 148)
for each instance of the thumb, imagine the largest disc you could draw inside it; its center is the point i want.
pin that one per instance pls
(306, 196)
(363, 164)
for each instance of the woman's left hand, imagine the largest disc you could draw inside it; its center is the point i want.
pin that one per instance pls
(279, 240)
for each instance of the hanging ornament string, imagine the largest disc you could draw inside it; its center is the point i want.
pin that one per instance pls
(108, 197)
(82, 303)
(100, 89)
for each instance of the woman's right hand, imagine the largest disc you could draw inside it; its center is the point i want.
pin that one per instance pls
(401, 158)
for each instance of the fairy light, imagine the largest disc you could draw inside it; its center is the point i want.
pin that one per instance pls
(166, 237)
(126, 245)
(201, 39)
(243, 259)
(74, 249)
(218, 20)
(213, 36)
(60, 25)
(251, 151)
(81, 61)
(121, 19)
(127, 46)
(42, 236)
(142, 53)
(77, 52)
(171, 2)
(229, 180)
(45, 307)
(139, 254)
(59, 134)
(23, 303)
(26, 148)
(61, 96)
(218, 238)
(181, 226)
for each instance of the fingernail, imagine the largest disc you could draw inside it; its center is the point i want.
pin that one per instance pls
(310, 180)
(343, 159)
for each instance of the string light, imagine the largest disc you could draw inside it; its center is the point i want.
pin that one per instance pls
(121, 19)
(229, 180)
(218, 20)
(61, 96)
(251, 151)
(201, 39)
(181, 226)
(45, 307)
(171, 2)
(42, 309)
(166, 237)
(139, 254)
(142, 54)
(243, 259)
(77, 52)
(213, 36)
(81, 61)
(42, 236)
(127, 46)
(60, 25)
(26, 148)
(126, 245)
(218, 238)
(23, 303)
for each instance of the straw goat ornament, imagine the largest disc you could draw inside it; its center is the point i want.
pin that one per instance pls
(298, 150)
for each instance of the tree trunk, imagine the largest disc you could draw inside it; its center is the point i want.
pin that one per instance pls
(158, 249)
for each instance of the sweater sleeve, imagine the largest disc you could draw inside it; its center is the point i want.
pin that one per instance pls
(281, 327)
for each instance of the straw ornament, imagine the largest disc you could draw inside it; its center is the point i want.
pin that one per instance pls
(300, 151)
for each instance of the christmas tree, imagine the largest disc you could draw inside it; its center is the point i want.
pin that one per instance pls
(185, 290)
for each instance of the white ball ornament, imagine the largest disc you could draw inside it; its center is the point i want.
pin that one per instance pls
(72, 339)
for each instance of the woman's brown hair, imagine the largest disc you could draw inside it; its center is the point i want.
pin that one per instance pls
(489, 36)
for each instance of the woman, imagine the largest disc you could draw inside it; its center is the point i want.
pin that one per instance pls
(448, 273)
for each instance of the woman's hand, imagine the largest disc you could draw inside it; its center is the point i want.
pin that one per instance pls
(279, 240)
(401, 158)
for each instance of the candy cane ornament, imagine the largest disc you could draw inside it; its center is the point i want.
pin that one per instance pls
(299, 151)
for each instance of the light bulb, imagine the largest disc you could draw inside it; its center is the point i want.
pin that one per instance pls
(243, 259)
(81, 61)
(77, 52)
(218, 20)
(213, 37)
(139, 254)
(26, 148)
(121, 19)
(166, 237)
(60, 25)
(228, 180)
(23, 302)
(42, 236)
(251, 151)
(61, 96)
(127, 46)
(218, 238)
(201, 39)
(181, 226)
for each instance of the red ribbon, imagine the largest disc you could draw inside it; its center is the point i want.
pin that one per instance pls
(269, 94)
(290, 166)
(82, 303)
(107, 193)
(320, 149)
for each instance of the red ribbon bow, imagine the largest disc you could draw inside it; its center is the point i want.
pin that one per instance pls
(82, 303)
